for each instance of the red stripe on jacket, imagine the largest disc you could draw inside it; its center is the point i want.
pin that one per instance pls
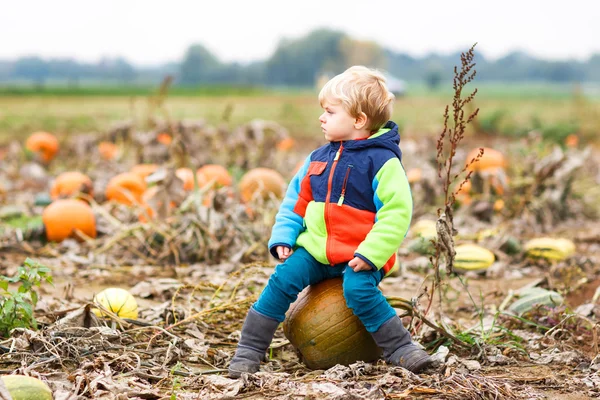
(305, 196)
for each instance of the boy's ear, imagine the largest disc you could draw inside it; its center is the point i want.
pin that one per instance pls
(361, 121)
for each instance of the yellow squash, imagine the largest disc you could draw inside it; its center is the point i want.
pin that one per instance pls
(23, 387)
(117, 300)
(550, 248)
(424, 228)
(471, 257)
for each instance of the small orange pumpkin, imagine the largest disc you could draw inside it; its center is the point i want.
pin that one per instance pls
(498, 205)
(71, 183)
(126, 188)
(44, 144)
(62, 217)
(143, 170)
(572, 140)
(325, 331)
(491, 159)
(164, 138)
(215, 175)
(491, 167)
(108, 150)
(286, 144)
(262, 182)
(414, 175)
(187, 176)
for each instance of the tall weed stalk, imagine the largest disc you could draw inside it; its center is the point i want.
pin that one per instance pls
(455, 124)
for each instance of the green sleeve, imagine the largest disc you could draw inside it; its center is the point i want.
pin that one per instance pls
(393, 201)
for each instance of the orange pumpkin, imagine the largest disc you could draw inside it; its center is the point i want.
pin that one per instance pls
(285, 145)
(491, 159)
(143, 170)
(62, 217)
(108, 150)
(215, 175)
(572, 140)
(126, 188)
(44, 144)
(71, 183)
(187, 176)
(325, 331)
(491, 168)
(414, 175)
(498, 205)
(263, 182)
(164, 138)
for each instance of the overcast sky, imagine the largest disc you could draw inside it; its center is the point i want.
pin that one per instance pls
(152, 32)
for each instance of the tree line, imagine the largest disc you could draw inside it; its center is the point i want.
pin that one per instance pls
(299, 63)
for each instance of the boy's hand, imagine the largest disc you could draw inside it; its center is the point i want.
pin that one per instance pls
(283, 252)
(358, 264)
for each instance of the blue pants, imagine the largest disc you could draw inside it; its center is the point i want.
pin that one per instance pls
(301, 269)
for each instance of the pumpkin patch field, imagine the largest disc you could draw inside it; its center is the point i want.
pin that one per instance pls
(131, 251)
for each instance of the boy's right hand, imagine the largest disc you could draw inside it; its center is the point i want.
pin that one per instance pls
(283, 252)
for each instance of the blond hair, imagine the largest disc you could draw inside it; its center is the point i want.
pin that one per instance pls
(361, 89)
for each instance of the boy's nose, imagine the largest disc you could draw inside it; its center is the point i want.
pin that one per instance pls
(322, 118)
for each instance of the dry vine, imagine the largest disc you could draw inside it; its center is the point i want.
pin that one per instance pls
(447, 144)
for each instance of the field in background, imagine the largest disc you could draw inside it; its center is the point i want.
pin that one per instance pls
(507, 110)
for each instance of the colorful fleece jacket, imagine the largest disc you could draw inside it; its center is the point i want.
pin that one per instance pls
(349, 199)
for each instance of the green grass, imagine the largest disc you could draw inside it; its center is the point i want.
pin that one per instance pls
(509, 111)
(493, 90)
(125, 90)
(514, 91)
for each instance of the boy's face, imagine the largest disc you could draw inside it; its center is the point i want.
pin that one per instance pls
(337, 124)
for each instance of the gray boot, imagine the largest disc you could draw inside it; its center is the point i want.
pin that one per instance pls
(398, 348)
(257, 334)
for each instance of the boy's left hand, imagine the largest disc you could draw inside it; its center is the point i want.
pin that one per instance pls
(358, 264)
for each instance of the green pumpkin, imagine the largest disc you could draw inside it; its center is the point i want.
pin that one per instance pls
(325, 331)
(23, 387)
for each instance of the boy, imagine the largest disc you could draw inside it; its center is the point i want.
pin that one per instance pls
(345, 213)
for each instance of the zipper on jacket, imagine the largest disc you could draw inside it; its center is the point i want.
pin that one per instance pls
(330, 179)
(328, 197)
(342, 195)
